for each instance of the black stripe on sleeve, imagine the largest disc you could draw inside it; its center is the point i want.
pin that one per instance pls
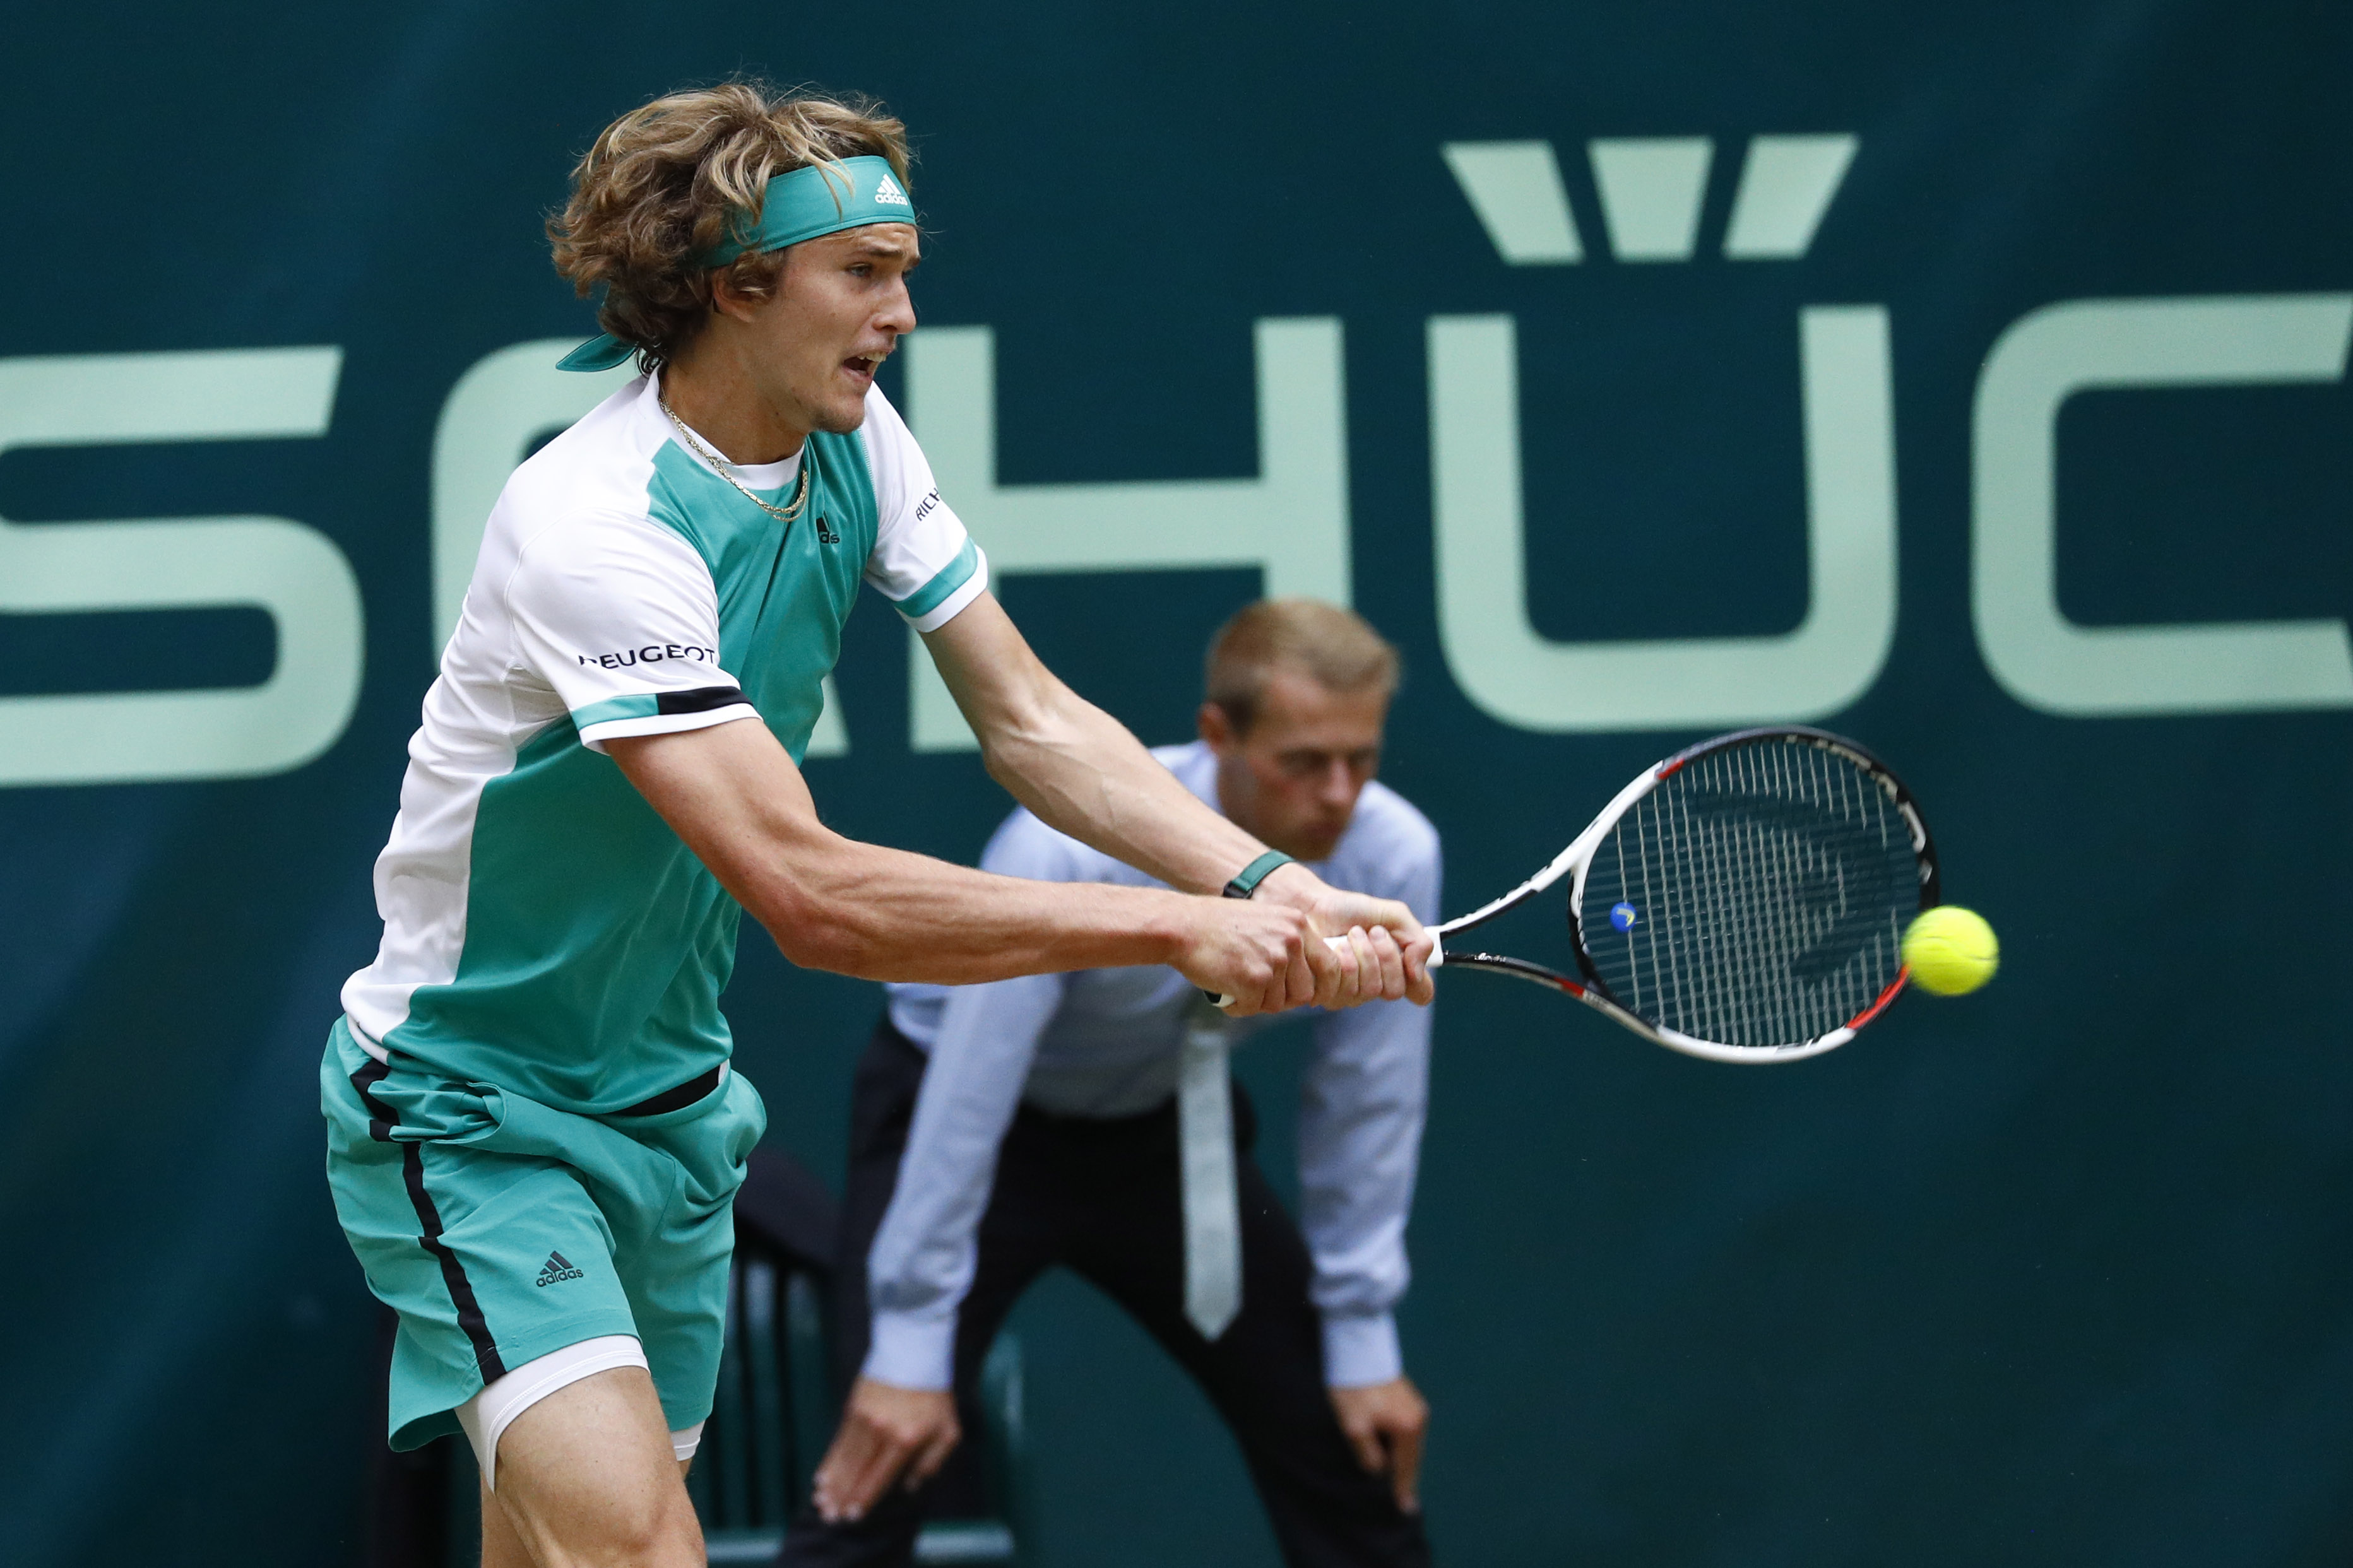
(701, 699)
(453, 1273)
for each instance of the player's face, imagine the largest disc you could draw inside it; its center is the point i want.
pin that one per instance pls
(1294, 779)
(839, 310)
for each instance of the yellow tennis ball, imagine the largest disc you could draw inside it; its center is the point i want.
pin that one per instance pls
(1951, 949)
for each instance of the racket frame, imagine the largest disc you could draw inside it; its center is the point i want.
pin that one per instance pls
(1578, 858)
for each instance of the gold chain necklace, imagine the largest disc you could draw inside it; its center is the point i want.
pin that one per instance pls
(726, 470)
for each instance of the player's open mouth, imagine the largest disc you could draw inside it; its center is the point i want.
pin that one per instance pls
(862, 366)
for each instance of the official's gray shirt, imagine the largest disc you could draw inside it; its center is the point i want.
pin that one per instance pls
(1104, 1043)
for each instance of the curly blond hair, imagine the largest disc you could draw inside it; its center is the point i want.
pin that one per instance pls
(664, 183)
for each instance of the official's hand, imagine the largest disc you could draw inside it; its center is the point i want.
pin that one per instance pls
(1385, 956)
(886, 1431)
(1254, 951)
(1385, 1423)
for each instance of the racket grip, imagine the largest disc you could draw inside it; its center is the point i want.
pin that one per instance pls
(1338, 944)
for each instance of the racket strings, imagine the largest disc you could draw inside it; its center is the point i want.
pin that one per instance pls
(1756, 896)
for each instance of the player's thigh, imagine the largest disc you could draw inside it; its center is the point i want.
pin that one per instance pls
(586, 1475)
(490, 1260)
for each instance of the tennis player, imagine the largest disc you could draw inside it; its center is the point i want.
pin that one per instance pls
(1099, 1103)
(534, 1134)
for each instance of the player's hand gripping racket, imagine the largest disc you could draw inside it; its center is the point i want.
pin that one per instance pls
(1744, 901)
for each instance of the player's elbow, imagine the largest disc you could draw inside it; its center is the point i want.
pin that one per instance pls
(804, 923)
(809, 937)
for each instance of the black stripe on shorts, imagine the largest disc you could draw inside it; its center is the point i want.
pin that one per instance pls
(453, 1273)
(381, 1119)
(701, 699)
(380, 1116)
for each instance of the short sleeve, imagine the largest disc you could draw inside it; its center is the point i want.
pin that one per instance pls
(924, 561)
(618, 615)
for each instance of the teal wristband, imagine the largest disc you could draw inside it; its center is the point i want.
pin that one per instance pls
(1246, 881)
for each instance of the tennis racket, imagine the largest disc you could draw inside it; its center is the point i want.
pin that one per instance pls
(1744, 901)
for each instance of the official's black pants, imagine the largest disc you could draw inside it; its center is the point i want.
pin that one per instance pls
(1102, 1197)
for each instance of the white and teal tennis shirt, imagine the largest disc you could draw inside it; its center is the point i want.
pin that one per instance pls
(544, 931)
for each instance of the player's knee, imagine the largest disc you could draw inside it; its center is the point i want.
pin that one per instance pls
(654, 1526)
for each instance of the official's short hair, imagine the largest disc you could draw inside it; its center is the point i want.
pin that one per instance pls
(664, 182)
(1335, 649)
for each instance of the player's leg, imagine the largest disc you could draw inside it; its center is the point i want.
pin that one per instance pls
(591, 1443)
(674, 1240)
(1265, 1372)
(587, 1476)
(502, 1265)
(491, 1259)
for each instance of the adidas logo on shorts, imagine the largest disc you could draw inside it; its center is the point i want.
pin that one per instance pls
(557, 1269)
(889, 195)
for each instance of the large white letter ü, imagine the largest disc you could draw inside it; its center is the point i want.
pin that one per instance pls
(1518, 676)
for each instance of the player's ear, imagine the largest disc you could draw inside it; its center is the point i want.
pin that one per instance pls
(1215, 727)
(730, 295)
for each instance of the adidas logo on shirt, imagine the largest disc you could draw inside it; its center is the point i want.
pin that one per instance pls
(557, 1269)
(887, 193)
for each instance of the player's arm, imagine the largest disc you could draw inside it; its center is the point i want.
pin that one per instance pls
(1080, 771)
(681, 729)
(733, 793)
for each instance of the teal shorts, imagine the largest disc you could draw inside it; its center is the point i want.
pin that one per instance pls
(501, 1229)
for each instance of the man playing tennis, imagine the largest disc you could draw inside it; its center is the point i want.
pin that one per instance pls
(1084, 1120)
(533, 1135)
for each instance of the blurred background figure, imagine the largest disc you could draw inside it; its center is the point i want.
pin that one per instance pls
(1087, 1121)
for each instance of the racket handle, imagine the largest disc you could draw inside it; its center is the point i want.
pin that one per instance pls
(1338, 944)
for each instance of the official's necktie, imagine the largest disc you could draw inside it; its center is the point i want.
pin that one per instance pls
(1213, 1244)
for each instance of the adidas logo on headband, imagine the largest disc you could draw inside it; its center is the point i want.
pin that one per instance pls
(887, 193)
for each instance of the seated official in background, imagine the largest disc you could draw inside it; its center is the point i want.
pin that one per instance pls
(1088, 1119)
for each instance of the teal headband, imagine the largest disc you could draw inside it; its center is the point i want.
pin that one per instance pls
(801, 204)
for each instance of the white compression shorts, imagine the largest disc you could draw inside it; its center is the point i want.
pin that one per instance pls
(488, 1414)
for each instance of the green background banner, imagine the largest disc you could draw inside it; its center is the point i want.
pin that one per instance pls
(1972, 383)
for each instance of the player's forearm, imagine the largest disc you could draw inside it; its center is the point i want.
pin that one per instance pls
(732, 793)
(1080, 771)
(1073, 765)
(884, 914)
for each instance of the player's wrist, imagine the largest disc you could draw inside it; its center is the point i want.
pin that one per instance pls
(1290, 883)
(1179, 926)
(1245, 883)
